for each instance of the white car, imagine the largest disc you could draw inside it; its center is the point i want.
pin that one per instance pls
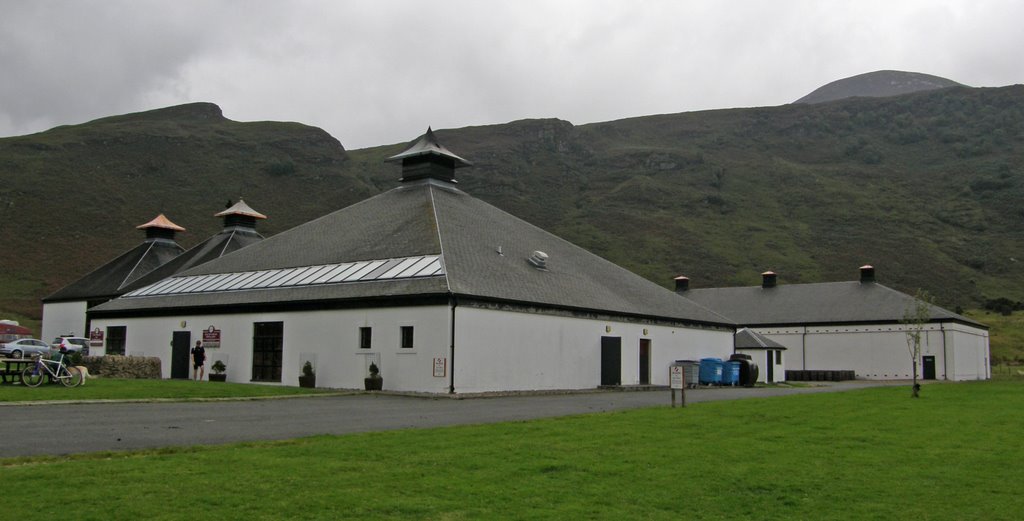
(72, 344)
(24, 347)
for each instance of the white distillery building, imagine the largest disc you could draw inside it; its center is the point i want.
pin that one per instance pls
(158, 257)
(64, 312)
(850, 326)
(445, 293)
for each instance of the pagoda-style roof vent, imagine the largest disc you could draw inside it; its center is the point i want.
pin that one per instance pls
(428, 159)
(160, 228)
(240, 215)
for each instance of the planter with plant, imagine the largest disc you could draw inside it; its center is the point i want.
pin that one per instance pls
(308, 376)
(375, 381)
(218, 374)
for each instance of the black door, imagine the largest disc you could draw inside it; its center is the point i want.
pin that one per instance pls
(929, 368)
(611, 360)
(771, 367)
(180, 359)
(645, 361)
(267, 350)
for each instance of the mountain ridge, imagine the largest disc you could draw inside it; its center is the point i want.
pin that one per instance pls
(877, 84)
(924, 186)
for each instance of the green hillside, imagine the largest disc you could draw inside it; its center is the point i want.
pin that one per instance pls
(926, 187)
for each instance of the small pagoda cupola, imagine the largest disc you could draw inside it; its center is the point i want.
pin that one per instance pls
(428, 159)
(240, 216)
(160, 229)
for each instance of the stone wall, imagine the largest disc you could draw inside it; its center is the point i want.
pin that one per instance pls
(114, 366)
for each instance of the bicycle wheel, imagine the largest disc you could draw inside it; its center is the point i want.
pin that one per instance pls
(32, 376)
(70, 377)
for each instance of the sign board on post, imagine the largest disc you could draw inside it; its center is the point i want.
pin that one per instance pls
(96, 338)
(440, 367)
(211, 337)
(677, 377)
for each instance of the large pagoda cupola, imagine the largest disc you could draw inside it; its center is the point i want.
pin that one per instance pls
(240, 216)
(160, 229)
(428, 159)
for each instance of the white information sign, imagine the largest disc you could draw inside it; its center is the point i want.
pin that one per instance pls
(440, 367)
(677, 378)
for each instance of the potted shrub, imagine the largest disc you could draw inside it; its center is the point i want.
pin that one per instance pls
(375, 381)
(218, 374)
(308, 376)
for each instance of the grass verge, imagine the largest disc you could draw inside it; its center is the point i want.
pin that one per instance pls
(868, 454)
(128, 389)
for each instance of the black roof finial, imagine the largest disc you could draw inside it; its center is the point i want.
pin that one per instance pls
(428, 159)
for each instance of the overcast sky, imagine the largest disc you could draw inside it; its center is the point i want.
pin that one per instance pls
(379, 72)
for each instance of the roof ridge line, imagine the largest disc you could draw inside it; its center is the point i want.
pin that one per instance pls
(136, 266)
(440, 241)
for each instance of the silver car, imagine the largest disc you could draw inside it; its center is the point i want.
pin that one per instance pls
(24, 347)
(72, 344)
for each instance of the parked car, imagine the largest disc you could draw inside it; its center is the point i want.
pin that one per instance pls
(72, 344)
(24, 347)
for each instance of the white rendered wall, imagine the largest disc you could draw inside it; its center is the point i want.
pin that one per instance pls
(328, 338)
(760, 357)
(63, 318)
(495, 350)
(879, 351)
(502, 350)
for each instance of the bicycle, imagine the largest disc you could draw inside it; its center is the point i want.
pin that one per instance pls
(34, 375)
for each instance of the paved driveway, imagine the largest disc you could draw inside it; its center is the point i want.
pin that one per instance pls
(87, 427)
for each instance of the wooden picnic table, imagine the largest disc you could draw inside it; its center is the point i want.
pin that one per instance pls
(13, 368)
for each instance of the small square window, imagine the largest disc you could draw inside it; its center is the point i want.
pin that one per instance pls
(778, 357)
(365, 337)
(407, 337)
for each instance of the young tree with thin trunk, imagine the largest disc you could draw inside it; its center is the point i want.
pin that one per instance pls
(915, 318)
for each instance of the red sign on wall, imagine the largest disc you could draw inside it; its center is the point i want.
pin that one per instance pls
(96, 338)
(211, 337)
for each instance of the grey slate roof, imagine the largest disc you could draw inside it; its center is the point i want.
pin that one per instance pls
(112, 278)
(814, 304)
(749, 339)
(429, 217)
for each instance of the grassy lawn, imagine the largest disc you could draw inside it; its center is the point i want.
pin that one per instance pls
(871, 454)
(118, 389)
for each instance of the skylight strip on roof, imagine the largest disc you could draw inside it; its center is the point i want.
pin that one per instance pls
(416, 267)
(311, 276)
(261, 277)
(324, 277)
(275, 276)
(399, 268)
(177, 282)
(289, 274)
(152, 287)
(388, 269)
(380, 270)
(197, 281)
(303, 274)
(348, 271)
(433, 268)
(237, 282)
(358, 275)
(209, 283)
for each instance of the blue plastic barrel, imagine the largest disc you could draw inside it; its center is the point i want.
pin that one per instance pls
(711, 371)
(730, 373)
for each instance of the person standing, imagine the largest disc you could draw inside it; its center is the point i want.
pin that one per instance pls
(198, 360)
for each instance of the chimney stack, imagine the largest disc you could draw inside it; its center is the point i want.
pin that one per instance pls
(867, 273)
(768, 279)
(682, 284)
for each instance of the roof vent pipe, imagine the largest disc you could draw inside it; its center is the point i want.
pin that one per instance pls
(539, 260)
(682, 283)
(867, 273)
(768, 279)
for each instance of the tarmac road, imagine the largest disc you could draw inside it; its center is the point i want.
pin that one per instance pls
(54, 429)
